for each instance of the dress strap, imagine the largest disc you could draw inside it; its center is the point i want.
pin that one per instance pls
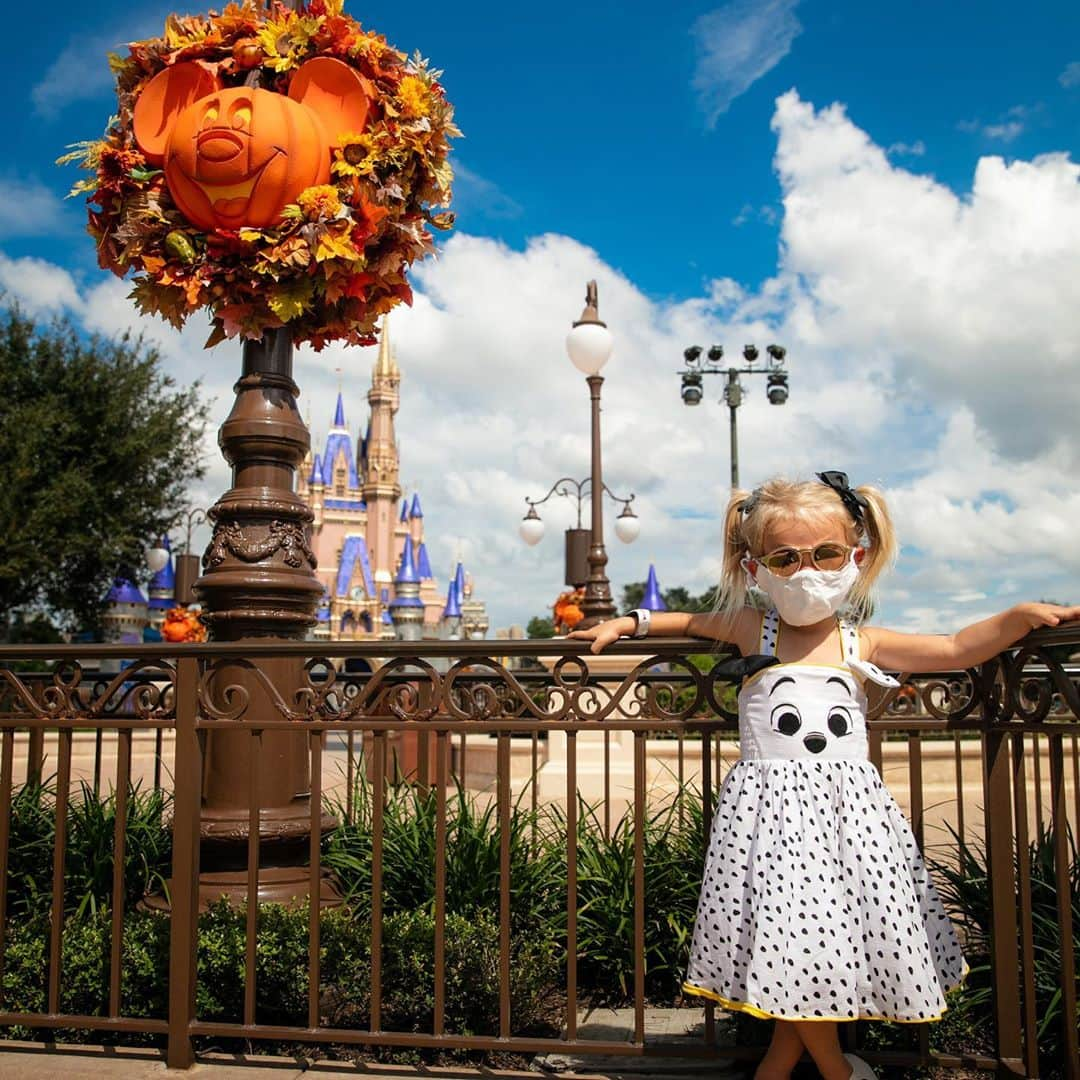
(849, 640)
(770, 632)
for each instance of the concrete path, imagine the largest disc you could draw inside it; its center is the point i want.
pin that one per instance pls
(671, 1027)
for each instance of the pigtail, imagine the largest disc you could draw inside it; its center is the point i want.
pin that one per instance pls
(732, 593)
(880, 552)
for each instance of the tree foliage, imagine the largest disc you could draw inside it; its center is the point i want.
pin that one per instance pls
(677, 598)
(99, 449)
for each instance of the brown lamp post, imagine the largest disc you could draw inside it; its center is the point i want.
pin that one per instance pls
(259, 584)
(589, 345)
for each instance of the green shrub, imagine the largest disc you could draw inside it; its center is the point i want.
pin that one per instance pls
(88, 862)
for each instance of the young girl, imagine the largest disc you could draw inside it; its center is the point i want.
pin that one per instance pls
(816, 906)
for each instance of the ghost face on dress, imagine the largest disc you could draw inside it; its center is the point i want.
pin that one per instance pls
(815, 723)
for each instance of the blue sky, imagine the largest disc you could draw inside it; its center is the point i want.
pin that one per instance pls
(654, 146)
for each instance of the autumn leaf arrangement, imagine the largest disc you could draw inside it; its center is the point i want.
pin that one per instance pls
(337, 258)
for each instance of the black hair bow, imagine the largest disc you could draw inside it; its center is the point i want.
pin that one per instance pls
(855, 502)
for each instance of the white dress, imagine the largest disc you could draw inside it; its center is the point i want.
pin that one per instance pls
(815, 902)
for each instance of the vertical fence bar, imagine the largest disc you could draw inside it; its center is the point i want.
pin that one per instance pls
(1076, 784)
(571, 885)
(681, 773)
(159, 738)
(1003, 905)
(35, 754)
(184, 891)
(915, 787)
(56, 934)
(98, 736)
(315, 741)
(639, 887)
(706, 810)
(958, 754)
(123, 783)
(350, 778)
(1060, 826)
(377, 805)
(503, 795)
(1027, 943)
(7, 756)
(442, 749)
(1037, 764)
(607, 784)
(251, 942)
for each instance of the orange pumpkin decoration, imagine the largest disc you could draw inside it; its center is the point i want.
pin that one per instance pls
(182, 624)
(238, 156)
(567, 610)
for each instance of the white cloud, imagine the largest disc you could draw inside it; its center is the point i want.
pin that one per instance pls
(475, 196)
(40, 287)
(903, 149)
(1070, 75)
(29, 208)
(737, 44)
(970, 301)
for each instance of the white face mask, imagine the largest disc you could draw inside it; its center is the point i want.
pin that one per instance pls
(809, 595)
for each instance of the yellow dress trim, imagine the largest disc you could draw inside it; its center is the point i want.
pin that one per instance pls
(761, 1014)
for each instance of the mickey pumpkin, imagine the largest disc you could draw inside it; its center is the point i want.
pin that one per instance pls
(237, 156)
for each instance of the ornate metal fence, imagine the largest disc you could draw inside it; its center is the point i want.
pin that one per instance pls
(1001, 738)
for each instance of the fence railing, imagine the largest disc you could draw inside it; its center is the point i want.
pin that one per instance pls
(997, 746)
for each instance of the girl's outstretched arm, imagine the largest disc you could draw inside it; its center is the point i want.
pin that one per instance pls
(738, 628)
(974, 644)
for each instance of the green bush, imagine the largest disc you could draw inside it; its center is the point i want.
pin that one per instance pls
(88, 862)
(408, 971)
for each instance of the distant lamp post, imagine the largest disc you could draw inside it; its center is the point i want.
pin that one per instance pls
(589, 346)
(776, 387)
(187, 565)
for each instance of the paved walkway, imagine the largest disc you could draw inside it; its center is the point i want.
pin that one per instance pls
(672, 1027)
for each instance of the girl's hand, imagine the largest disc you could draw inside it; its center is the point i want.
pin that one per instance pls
(604, 633)
(1038, 614)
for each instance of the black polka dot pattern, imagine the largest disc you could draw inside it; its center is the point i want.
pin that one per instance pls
(815, 901)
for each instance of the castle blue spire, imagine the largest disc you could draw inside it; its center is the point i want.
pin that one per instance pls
(338, 443)
(453, 605)
(423, 564)
(407, 571)
(404, 510)
(124, 592)
(459, 583)
(316, 471)
(415, 510)
(652, 600)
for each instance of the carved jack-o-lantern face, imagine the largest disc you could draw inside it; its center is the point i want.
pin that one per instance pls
(238, 156)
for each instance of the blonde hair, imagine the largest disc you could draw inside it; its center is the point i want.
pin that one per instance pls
(750, 515)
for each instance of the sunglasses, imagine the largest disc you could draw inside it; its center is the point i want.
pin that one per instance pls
(785, 561)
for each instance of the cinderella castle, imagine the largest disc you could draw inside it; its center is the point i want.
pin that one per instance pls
(372, 556)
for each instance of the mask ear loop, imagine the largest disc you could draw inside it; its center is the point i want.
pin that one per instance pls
(751, 581)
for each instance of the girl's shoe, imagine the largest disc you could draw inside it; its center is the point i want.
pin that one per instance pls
(860, 1070)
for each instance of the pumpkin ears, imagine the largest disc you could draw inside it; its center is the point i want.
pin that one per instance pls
(337, 94)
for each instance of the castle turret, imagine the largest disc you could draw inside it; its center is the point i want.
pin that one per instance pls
(381, 488)
(653, 601)
(386, 623)
(407, 609)
(474, 616)
(451, 616)
(416, 520)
